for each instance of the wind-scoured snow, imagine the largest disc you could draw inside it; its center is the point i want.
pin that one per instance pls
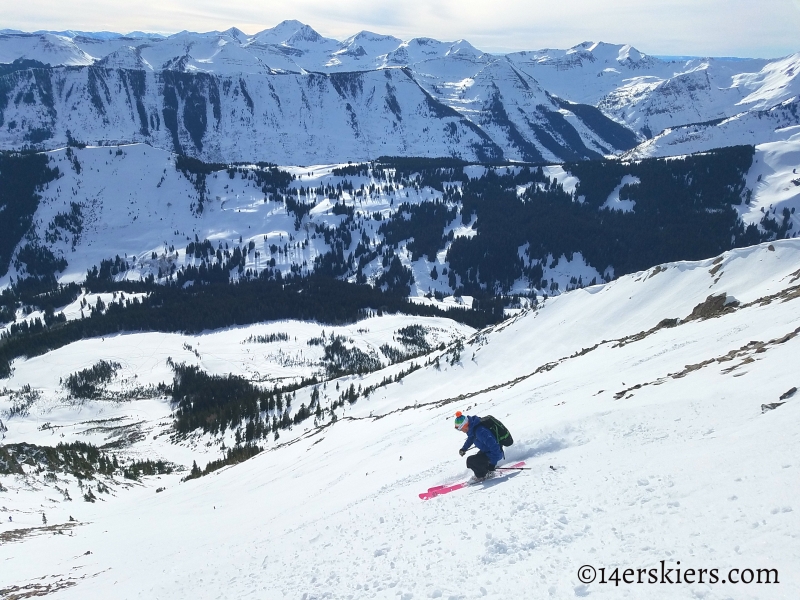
(659, 447)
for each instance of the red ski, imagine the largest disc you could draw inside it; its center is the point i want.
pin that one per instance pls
(440, 490)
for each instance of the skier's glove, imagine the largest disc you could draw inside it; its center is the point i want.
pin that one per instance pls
(462, 452)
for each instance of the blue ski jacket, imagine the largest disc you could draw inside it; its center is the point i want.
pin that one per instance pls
(483, 439)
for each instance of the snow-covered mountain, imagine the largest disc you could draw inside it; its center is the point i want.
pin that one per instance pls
(319, 100)
(775, 124)
(162, 438)
(133, 201)
(286, 118)
(657, 414)
(146, 207)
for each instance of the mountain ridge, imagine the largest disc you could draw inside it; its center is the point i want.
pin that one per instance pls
(642, 93)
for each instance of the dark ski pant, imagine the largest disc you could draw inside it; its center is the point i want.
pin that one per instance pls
(480, 465)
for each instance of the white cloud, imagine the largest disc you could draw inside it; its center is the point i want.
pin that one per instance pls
(765, 28)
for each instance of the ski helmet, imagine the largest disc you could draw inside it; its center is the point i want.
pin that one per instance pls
(461, 422)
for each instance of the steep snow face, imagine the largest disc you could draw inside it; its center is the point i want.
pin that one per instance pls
(288, 119)
(751, 128)
(646, 440)
(127, 57)
(513, 109)
(690, 97)
(776, 82)
(312, 118)
(495, 111)
(365, 50)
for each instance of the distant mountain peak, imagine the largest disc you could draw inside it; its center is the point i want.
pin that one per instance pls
(292, 24)
(463, 48)
(372, 37)
(304, 34)
(237, 34)
(127, 57)
(289, 32)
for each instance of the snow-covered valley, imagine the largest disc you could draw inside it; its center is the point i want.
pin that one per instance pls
(644, 394)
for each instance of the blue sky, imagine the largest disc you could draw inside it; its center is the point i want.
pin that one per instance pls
(754, 28)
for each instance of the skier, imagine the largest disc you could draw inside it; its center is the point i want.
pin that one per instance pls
(490, 451)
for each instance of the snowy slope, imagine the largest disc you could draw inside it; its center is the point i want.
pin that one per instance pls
(519, 114)
(778, 123)
(494, 112)
(288, 119)
(775, 181)
(134, 202)
(776, 82)
(47, 48)
(660, 447)
(589, 71)
(650, 94)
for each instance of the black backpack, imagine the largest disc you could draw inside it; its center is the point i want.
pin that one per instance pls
(501, 434)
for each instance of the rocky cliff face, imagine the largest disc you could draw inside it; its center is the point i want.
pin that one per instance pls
(294, 118)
